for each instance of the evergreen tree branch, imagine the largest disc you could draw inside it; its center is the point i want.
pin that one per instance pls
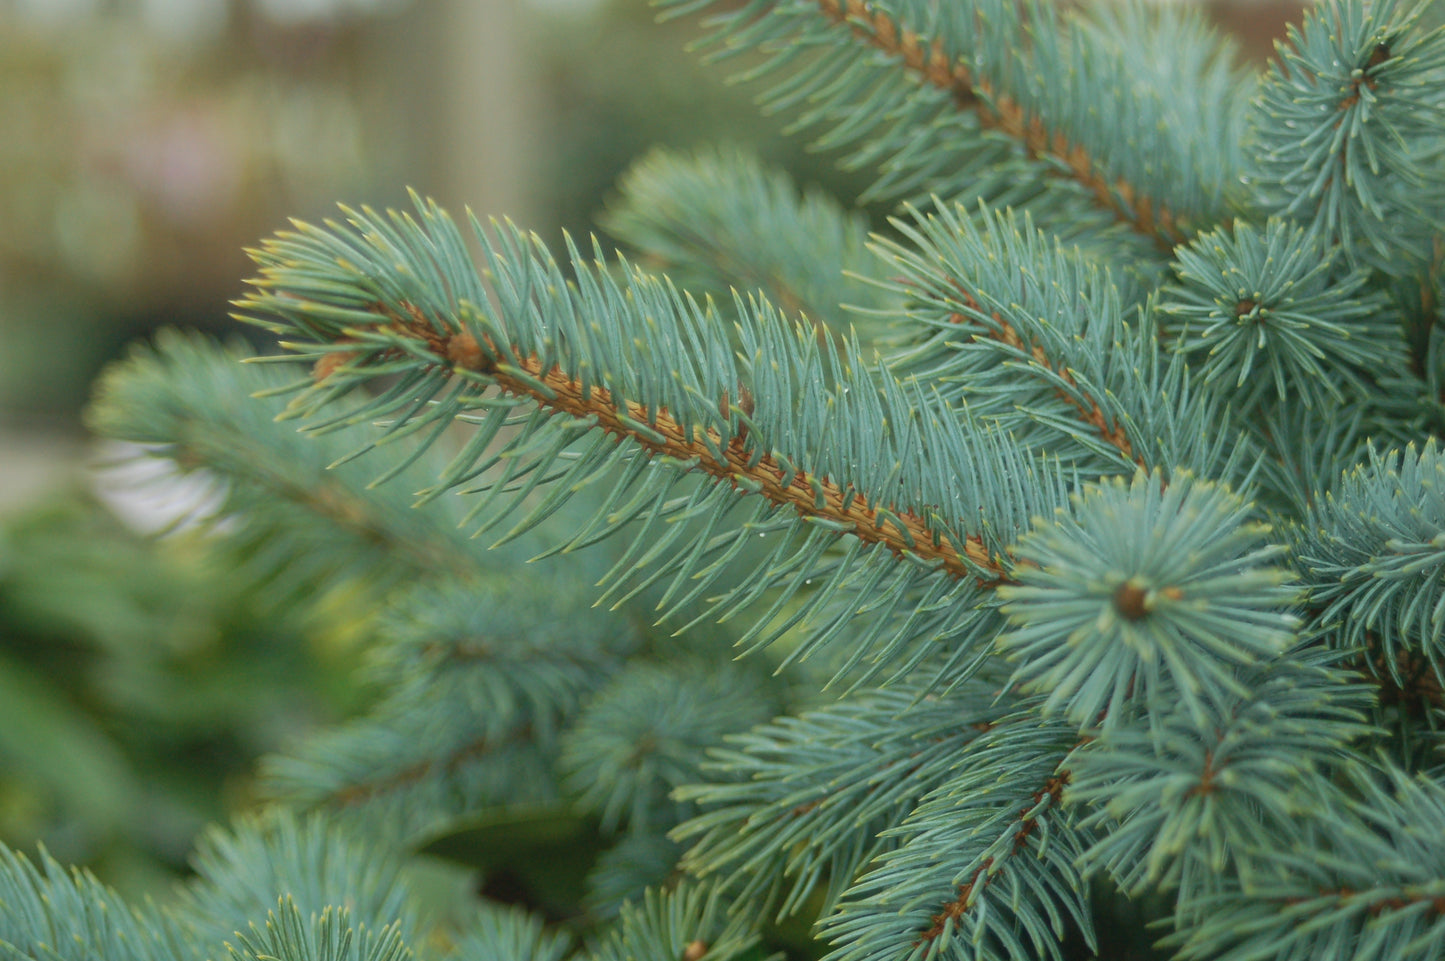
(1347, 131)
(902, 532)
(1027, 822)
(1068, 392)
(1366, 884)
(624, 872)
(999, 102)
(987, 859)
(1034, 337)
(1373, 553)
(509, 753)
(784, 803)
(1121, 608)
(883, 103)
(645, 734)
(508, 676)
(997, 110)
(1260, 309)
(1104, 679)
(688, 923)
(1183, 807)
(596, 361)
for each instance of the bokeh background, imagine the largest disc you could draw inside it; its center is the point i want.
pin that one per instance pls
(143, 145)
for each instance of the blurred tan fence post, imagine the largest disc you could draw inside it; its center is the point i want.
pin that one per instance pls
(485, 107)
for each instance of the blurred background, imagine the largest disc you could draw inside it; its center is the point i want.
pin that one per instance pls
(143, 144)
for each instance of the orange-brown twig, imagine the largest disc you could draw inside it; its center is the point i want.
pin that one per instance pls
(901, 531)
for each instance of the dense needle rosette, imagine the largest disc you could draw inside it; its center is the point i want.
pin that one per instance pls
(1145, 594)
(1265, 312)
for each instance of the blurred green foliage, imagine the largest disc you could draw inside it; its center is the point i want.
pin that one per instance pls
(136, 163)
(139, 679)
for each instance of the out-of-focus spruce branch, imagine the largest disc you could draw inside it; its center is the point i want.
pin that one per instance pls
(179, 402)
(997, 110)
(1016, 81)
(717, 220)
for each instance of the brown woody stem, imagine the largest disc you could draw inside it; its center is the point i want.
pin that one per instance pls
(901, 531)
(1027, 820)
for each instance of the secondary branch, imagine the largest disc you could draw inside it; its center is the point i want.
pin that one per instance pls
(998, 111)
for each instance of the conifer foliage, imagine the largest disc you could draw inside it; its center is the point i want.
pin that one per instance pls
(1091, 605)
